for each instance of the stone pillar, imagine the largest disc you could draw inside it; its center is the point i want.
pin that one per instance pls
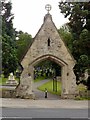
(64, 81)
(72, 84)
(24, 90)
(69, 87)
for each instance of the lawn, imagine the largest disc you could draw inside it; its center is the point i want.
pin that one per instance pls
(39, 79)
(3, 80)
(49, 86)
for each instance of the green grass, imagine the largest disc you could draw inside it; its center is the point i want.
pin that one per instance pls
(39, 79)
(81, 87)
(82, 98)
(3, 80)
(49, 86)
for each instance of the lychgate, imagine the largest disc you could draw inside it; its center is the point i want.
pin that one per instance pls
(48, 44)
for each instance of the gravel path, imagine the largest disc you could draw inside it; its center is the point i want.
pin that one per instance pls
(40, 94)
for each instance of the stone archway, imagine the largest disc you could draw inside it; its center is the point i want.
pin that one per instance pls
(48, 44)
(63, 65)
(65, 75)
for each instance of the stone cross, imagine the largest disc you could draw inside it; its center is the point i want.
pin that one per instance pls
(48, 7)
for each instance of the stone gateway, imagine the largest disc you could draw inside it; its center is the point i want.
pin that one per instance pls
(48, 44)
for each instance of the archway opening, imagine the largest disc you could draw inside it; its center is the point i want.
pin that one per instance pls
(47, 75)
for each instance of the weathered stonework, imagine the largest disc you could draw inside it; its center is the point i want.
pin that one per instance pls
(47, 44)
(24, 90)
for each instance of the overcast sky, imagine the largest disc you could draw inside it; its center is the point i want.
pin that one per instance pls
(29, 14)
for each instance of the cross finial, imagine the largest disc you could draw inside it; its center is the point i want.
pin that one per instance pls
(48, 7)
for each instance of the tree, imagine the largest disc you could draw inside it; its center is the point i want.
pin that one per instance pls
(78, 14)
(81, 66)
(49, 67)
(23, 42)
(9, 57)
(66, 35)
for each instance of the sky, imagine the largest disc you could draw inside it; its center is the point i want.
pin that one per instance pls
(29, 14)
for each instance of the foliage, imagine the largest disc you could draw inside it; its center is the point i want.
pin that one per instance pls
(66, 36)
(83, 62)
(23, 43)
(78, 14)
(3, 81)
(82, 98)
(83, 93)
(48, 69)
(9, 57)
(81, 87)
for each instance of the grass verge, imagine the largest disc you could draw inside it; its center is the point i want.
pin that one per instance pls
(3, 80)
(39, 79)
(49, 86)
